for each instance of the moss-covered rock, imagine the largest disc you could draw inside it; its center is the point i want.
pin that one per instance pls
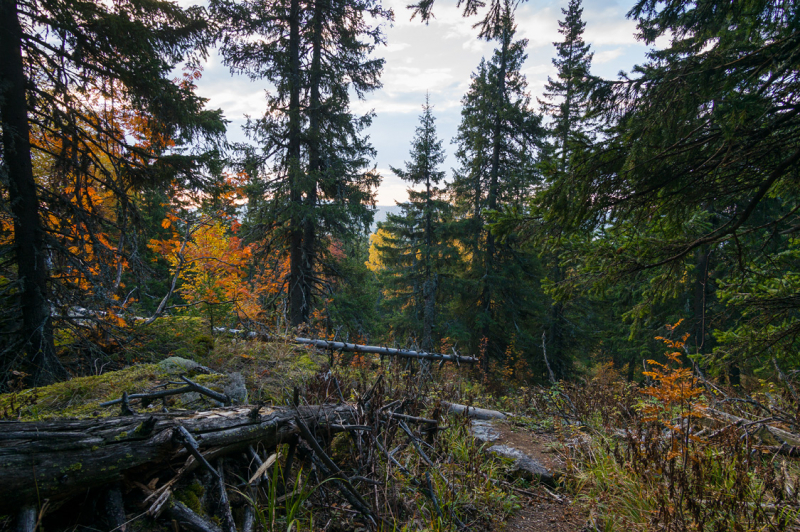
(81, 396)
(177, 365)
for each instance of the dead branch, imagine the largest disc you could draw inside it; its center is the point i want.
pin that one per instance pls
(61, 458)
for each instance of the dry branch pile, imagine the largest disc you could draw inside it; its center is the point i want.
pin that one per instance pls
(135, 465)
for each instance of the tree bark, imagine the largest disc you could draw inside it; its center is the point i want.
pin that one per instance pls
(61, 458)
(297, 298)
(315, 165)
(487, 294)
(37, 329)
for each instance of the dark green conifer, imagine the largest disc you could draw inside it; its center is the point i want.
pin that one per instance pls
(498, 136)
(418, 251)
(566, 96)
(312, 160)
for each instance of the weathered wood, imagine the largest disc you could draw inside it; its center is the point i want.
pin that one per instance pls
(194, 448)
(353, 348)
(153, 395)
(60, 458)
(225, 515)
(26, 519)
(115, 509)
(410, 419)
(472, 412)
(189, 520)
(376, 350)
(249, 521)
(782, 435)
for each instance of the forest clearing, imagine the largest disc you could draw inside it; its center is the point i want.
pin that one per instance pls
(589, 322)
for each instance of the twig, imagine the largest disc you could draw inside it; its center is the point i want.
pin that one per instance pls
(224, 505)
(348, 490)
(194, 448)
(221, 397)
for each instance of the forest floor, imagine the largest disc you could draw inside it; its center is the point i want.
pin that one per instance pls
(606, 464)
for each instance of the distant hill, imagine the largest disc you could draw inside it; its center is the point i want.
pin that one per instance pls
(380, 214)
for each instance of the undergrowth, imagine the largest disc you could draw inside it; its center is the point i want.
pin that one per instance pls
(657, 459)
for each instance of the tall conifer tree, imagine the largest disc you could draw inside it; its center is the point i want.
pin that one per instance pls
(66, 68)
(566, 96)
(314, 182)
(566, 101)
(416, 250)
(498, 136)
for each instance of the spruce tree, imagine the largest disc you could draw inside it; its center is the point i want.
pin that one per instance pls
(566, 96)
(692, 188)
(497, 138)
(566, 101)
(67, 69)
(312, 159)
(418, 250)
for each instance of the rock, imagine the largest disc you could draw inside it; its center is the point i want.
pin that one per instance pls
(484, 431)
(236, 389)
(178, 365)
(524, 465)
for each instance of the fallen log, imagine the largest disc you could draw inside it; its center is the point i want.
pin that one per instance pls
(472, 412)
(60, 458)
(353, 348)
(377, 350)
(782, 435)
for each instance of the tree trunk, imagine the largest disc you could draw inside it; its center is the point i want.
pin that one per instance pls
(492, 198)
(61, 458)
(314, 163)
(297, 297)
(37, 328)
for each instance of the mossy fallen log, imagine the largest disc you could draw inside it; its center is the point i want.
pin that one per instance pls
(56, 459)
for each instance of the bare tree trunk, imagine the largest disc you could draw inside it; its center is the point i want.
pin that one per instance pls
(297, 298)
(37, 327)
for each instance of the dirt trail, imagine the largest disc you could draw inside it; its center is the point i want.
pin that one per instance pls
(545, 510)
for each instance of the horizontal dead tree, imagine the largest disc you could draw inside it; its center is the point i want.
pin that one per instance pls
(389, 351)
(60, 458)
(354, 348)
(472, 412)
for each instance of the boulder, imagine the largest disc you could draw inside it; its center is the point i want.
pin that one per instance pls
(179, 365)
(523, 465)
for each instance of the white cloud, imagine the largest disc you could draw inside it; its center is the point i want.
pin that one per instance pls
(403, 79)
(607, 55)
(540, 27)
(392, 188)
(396, 47)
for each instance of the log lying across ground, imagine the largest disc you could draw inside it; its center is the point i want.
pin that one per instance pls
(355, 348)
(377, 350)
(472, 412)
(59, 458)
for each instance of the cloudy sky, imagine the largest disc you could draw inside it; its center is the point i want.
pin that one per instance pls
(439, 58)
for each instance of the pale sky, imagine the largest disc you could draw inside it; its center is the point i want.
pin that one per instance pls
(439, 58)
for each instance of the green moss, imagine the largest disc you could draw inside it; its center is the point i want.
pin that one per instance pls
(81, 397)
(74, 467)
(190, 496)
(305, 362)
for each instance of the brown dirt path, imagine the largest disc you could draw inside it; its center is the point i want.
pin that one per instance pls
(546, 510)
